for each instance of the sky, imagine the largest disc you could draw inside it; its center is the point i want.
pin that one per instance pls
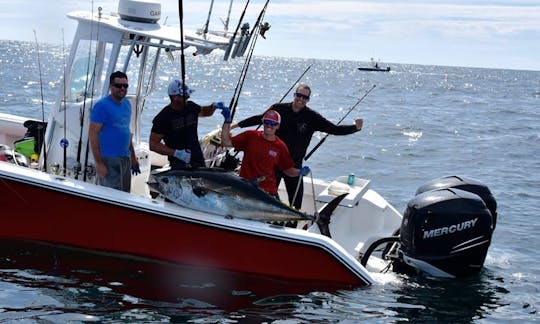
(489, 34)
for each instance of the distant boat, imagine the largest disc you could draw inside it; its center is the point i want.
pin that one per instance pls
(375, 67)
(387, 69)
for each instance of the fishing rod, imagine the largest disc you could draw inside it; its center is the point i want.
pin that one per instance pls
(231, 41)
(182, 56)
(295, 83)
(241, 48)
(348, 112)
(92, 88)
(237, 91)
(236, 94)
(42, 108)
(288, 91)
(64, 142)
(243, 74)
(79, 145)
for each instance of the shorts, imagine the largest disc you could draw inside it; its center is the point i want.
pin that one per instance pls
(118, 173)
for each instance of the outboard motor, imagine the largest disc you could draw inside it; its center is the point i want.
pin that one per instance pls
(466, 184)
(447, 227)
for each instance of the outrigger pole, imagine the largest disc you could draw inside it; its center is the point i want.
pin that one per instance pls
(79, 147)
(64, 142)
(348, 112)
(182, 57)
(87, 150)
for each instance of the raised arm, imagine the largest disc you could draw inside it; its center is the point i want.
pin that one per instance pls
(326, 126)
(226, 127)
(226, 135)
(250, 121)
(207, 111)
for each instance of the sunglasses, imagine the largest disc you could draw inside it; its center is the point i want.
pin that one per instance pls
(270, 123)
(301, 96)
(120, 85)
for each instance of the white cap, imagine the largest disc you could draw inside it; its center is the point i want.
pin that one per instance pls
(176, 89)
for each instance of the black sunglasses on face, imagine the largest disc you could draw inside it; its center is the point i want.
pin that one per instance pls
(301, 96)
(120, 85)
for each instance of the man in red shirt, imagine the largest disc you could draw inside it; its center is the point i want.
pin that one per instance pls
(263, 152)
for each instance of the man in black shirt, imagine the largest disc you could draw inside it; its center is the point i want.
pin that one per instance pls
(174, 129)
(298, 123)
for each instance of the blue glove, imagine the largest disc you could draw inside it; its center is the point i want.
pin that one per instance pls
(183, 155)
(225, 111)
(305, 171)
(218, 105)
(135, 169)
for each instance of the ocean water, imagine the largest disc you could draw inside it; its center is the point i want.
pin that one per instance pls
(420, 123)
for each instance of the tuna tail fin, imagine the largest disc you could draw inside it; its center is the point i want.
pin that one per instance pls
(323, 220)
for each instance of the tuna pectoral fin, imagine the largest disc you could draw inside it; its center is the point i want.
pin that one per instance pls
(258, 180)
(324, 216)
(200, 191)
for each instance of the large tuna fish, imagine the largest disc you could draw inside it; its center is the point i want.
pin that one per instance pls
(222, 193)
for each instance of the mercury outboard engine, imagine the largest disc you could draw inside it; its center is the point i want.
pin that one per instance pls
(445, 232)
(447, 227)
(467, 184)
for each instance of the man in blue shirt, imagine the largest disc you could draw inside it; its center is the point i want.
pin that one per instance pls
(110, 136)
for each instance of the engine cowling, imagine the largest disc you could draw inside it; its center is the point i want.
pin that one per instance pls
(467, 184)
(447, 227)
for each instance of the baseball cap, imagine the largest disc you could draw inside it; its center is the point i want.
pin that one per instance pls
(272, 115)
(176, 89)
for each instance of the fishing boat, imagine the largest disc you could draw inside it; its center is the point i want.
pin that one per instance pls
(375, 66)
(49, 196)
(377, 69)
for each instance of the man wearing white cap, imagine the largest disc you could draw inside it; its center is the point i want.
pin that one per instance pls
(263, 152)
(174, 129)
